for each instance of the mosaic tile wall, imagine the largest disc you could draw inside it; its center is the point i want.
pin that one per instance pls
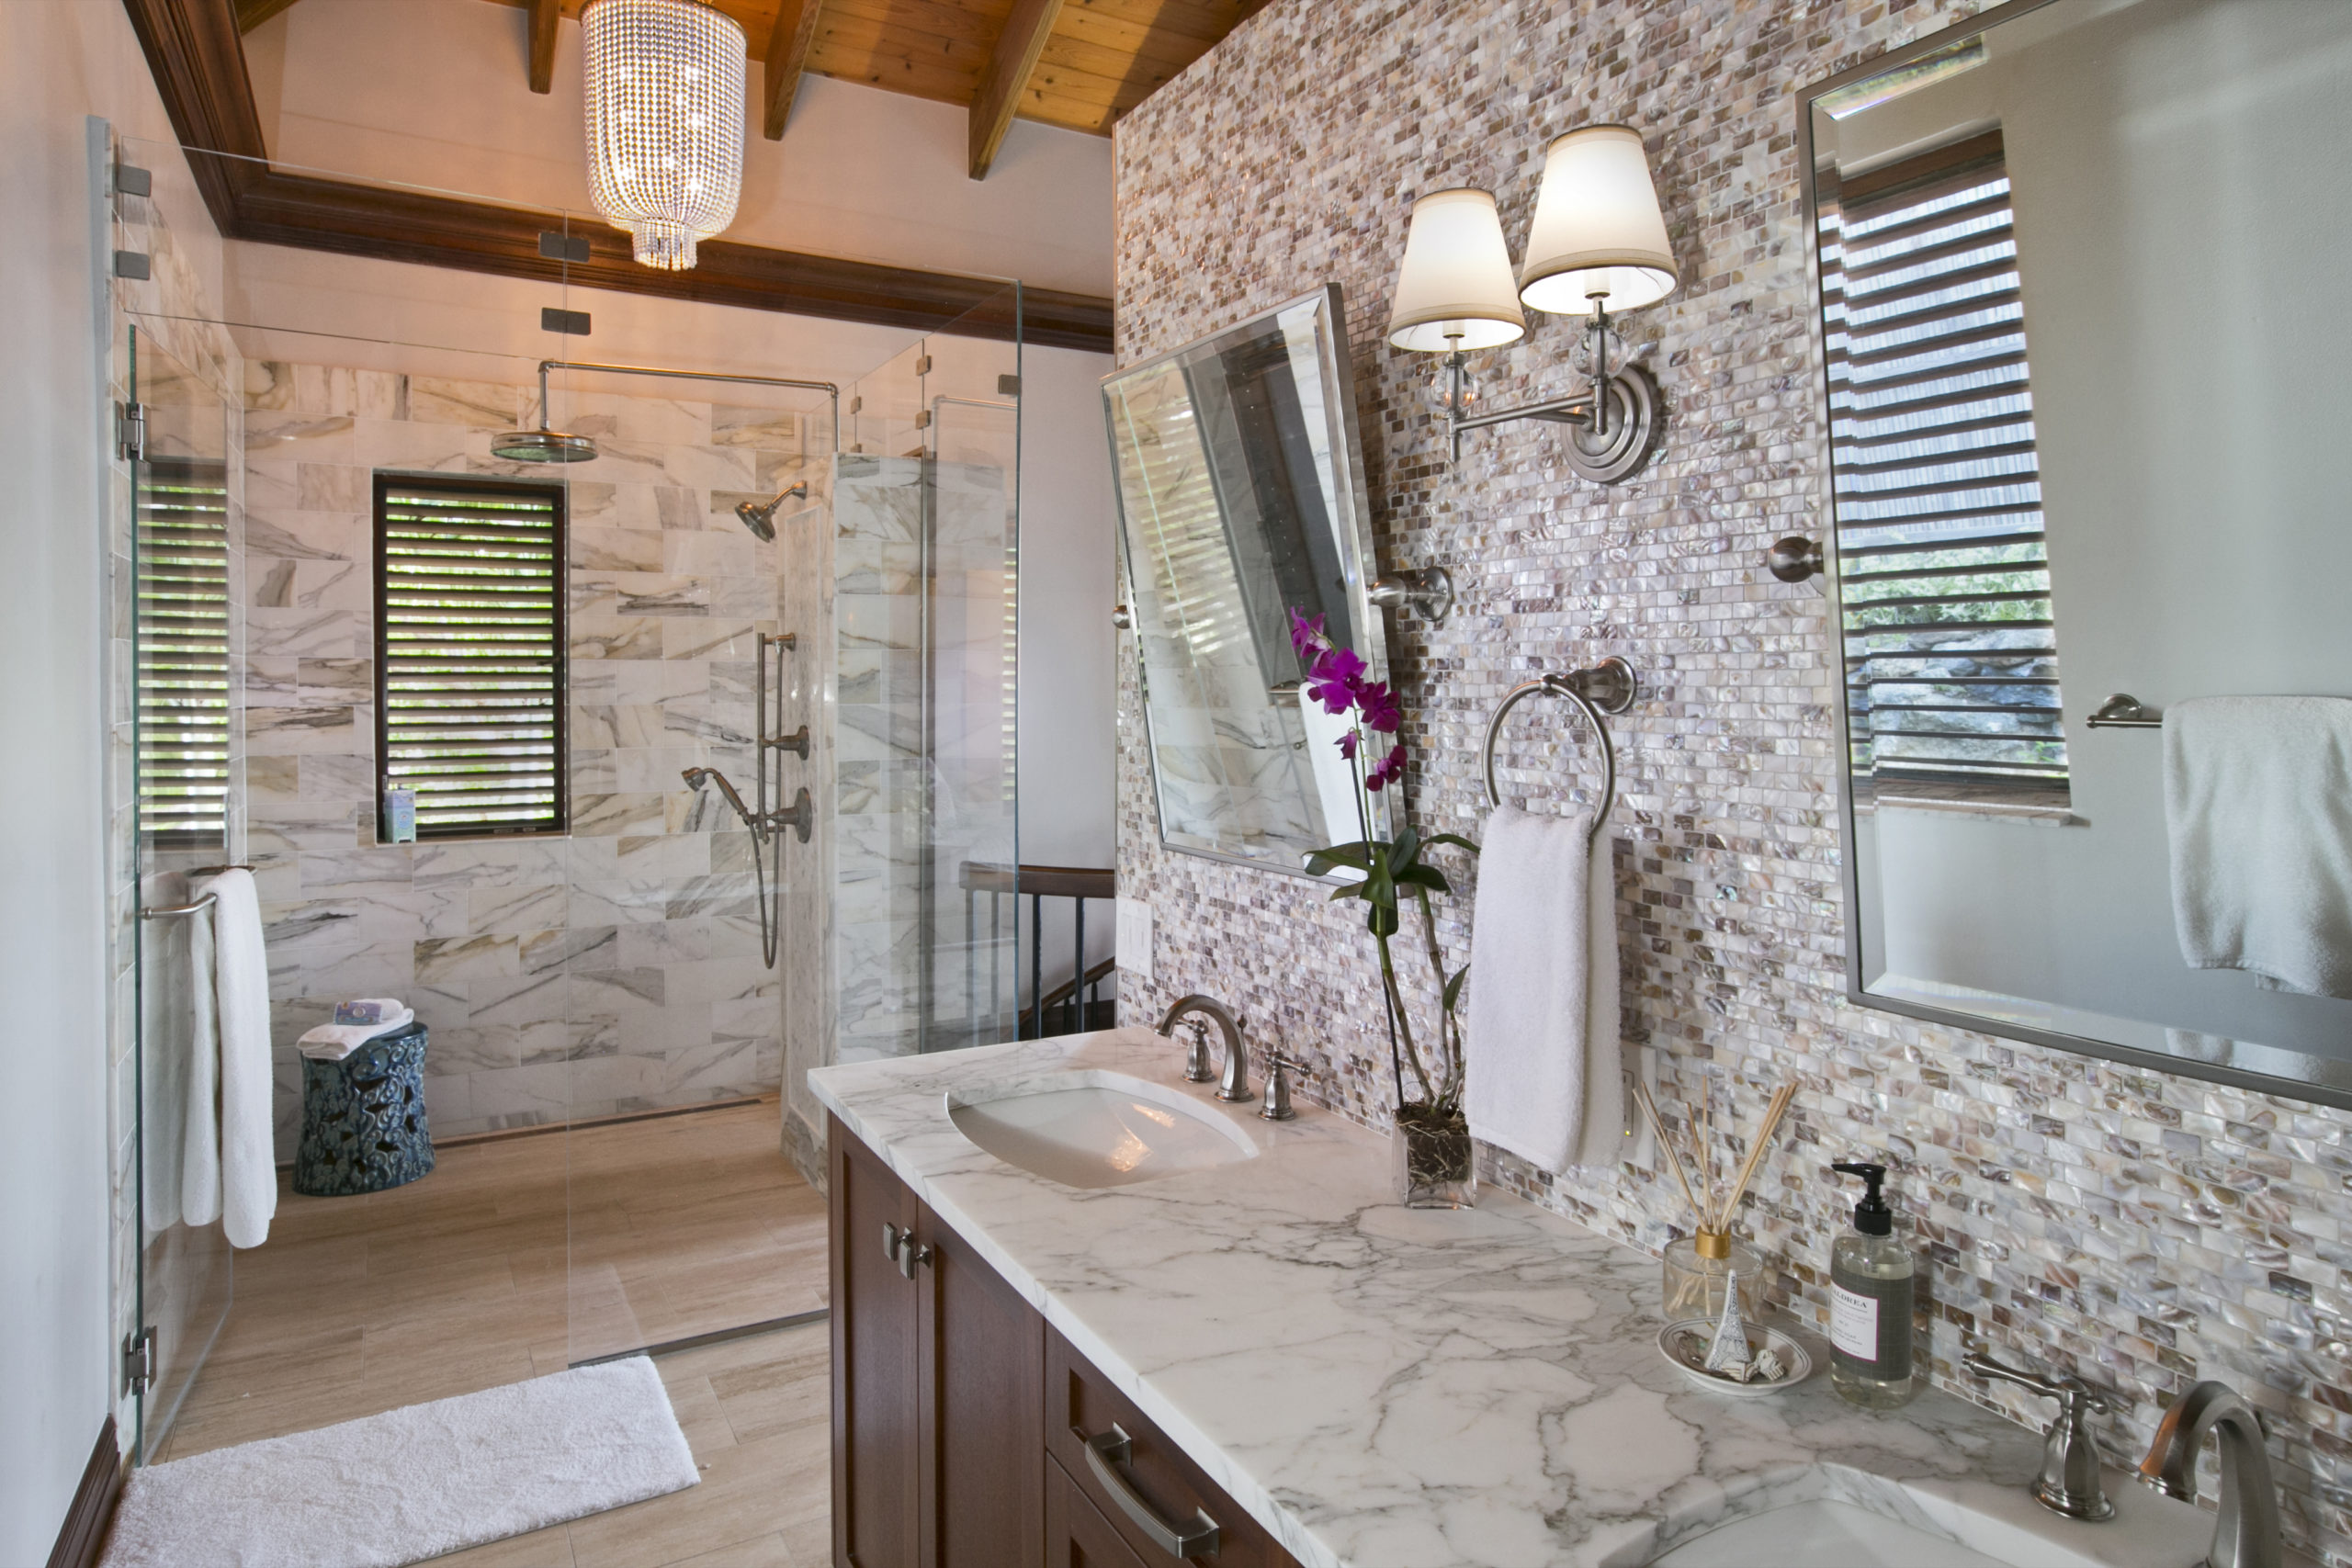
(617, 968)
(2139, 1229)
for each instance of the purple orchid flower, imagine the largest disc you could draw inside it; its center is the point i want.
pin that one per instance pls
(1378, 706)
(1347, 745)
(1334, 681)
(1385, 772)
(1307, 637)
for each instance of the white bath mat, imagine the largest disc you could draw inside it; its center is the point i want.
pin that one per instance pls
(393, 1489)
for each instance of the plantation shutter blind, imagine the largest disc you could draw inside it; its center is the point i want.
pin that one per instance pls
(183, 653)
(1950, 648)
(471, 652)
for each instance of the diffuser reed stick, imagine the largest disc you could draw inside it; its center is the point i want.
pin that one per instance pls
(1666, 1147)
(1713, 1218)
(1762, 1140)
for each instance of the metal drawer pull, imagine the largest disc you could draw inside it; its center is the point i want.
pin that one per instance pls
(1114, 1447)
(893, 1238)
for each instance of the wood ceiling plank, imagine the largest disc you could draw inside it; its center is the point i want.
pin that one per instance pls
(1109, 30)
(977, 25)
(861, 49)
(544, 15)
(1003, 83)
(788, 55)
(252, 14)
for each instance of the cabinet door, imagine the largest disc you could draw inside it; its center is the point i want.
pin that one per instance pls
(1077, 1535)
(877, 1314)
(984, 1446)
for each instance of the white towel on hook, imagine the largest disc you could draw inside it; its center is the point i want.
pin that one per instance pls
(248, 1162)
(1545, 1075)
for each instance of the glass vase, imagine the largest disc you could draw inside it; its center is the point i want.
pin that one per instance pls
(1435, 1167)
(1699, 1274)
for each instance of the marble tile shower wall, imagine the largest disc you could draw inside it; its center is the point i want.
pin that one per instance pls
(2141, 1229)
(617, 967)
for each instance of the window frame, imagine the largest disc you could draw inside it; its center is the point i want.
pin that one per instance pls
(557, 494)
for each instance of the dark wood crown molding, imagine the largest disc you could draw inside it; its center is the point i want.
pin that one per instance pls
(193, 49)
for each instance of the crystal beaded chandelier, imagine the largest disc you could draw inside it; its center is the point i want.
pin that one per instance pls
(665, 122)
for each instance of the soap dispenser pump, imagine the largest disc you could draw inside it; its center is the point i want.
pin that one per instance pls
(1870, 1301)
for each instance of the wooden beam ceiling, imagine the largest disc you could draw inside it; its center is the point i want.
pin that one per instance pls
(1002, 85)
(544, 15)
(193, 51)
(1080, 64)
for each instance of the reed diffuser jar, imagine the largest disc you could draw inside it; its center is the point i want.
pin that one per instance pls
(1700, 1271)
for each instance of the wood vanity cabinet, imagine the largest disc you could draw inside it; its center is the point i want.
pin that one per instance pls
(960, 1420)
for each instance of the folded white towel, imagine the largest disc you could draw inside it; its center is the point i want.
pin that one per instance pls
(333, 1041)
(241, 989)
(2258, 807)
(1545, 1075)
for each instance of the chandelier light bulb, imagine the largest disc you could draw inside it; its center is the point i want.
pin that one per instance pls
(665, 122)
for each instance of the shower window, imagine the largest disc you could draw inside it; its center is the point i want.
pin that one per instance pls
(469, 653)
(184, 652)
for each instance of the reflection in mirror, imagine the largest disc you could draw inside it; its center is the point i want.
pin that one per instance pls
(2081, 280)
(1241, 498)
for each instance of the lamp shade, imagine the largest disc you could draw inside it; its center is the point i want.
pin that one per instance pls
(665, 122)
(1454, 289)
(1598, 230)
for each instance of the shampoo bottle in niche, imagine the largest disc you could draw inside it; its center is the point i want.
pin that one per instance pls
(1869, 1302)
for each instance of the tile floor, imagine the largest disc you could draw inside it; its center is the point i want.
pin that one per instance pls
(519, 1257)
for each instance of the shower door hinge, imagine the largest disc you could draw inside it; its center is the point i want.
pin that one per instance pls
(922, 419)
(138, 1360)
(923, 365)
(131, 431)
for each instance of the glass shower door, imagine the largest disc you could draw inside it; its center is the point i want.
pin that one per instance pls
(180, 740)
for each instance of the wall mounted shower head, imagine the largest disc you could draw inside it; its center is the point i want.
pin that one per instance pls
(759, 517)
(542, 445)
(697, 777)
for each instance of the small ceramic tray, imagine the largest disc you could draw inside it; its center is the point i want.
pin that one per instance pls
(1685, 1346)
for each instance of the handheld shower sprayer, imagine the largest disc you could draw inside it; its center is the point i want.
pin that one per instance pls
(759, 517)
(697, 777)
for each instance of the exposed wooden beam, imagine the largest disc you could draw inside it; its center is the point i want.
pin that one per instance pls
(787, 56)
(1010, 64)
(543, 16)
(191, 47)
(252, 14)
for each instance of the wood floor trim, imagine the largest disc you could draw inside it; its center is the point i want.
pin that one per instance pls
(84, 1529)
(717, 1337)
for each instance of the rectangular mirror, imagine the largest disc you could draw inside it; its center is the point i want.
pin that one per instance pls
(1241, 498)
(2082, 279)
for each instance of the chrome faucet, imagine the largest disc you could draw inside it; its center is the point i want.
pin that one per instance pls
(1234, 1085)
(2247, 1534)
(2069, 1481)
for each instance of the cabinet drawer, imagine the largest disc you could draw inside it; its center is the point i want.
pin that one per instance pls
(1148, 1476)
(1077, 1535)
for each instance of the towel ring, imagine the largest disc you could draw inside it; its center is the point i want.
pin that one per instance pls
(1605, 687)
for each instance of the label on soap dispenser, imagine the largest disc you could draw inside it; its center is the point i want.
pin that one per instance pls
(1853, 1323)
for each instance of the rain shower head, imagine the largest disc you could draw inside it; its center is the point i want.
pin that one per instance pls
(759, 517)
(542, 445)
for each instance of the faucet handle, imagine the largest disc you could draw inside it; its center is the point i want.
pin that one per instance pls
(1278, 1068)
(1196, 1055)
(2069, 1481)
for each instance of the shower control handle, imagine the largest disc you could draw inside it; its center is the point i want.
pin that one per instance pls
(801, 816)
(796, 742)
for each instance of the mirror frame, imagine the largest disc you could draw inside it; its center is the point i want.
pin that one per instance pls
(1353, 525)
(2291, 1075)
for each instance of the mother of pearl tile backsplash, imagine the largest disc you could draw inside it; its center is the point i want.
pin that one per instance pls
(2141, 1229)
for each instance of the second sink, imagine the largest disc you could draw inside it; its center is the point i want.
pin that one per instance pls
(1097, 1129)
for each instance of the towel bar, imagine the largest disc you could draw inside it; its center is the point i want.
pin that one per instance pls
(1605, 687)
(165, 911)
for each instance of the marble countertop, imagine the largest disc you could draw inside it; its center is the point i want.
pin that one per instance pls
(1385, 1387)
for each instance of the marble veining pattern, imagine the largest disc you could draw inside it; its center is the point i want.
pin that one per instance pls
(1383, 1388)
(2139, 1229)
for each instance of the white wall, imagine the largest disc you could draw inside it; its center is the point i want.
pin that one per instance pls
(65, 60)
(1067, 700)
(434, 91)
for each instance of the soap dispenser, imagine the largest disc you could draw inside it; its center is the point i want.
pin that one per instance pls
(1870, 1301)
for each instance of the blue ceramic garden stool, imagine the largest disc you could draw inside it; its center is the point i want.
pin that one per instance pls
(363, 1119)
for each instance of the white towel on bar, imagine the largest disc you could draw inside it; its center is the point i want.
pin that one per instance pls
(1545, 1080)
(200, 1128)
(2258, 806)
(240, 990)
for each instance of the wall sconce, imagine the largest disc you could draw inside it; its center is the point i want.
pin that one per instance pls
(1598, 241)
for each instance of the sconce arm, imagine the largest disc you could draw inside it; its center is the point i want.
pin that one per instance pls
(1577, 410)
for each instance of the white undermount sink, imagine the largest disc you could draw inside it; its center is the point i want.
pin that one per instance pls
(1097, 1129)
